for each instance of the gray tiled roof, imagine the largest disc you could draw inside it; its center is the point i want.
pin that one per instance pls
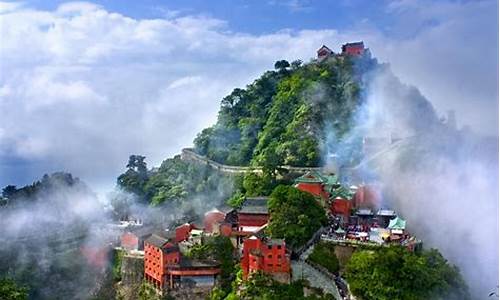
(156, 240)
(364, 212)
(225, 208)
(142, 231)
(255, 205)
(197, 263)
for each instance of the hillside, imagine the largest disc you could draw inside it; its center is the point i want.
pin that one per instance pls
(300, 114)
(285, 116)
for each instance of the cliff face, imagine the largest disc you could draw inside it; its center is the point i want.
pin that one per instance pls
(132, 273)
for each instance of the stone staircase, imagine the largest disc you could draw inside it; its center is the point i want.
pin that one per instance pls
(302, 270)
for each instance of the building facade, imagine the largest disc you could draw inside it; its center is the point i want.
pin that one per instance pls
(165, 267)
(267, 255)
(252, 214)
(353, 49)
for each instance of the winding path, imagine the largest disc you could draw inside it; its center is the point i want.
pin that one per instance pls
(302, 270)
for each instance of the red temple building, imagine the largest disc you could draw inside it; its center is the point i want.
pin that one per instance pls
(324, 52)
(316, 184)
(164, 266)
(341, 206)
(252, 214)
(133, 239)
(368, 196)
(222, 216)
(353, 49)
(183, 231)
(267, 255)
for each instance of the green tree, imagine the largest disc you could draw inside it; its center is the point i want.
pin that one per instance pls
(396, 273)
(9, 290)
(294, 215)
(9, 191)
(281, 65)
(136, 176)
(221, 249)
(258, 184)
(296, 64)
(324, 255)
(289, 117)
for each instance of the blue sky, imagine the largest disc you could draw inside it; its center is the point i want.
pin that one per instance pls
(257, 17)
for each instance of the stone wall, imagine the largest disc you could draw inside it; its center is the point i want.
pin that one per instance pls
(188, 154)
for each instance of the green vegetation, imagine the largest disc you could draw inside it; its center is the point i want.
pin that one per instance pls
(220, 249)
(253, 185)
(282, 117)
(117, 264)
(148, 292)
(173, 182)
(295, 215)
(395, 273)
(12, 194)
(262, 286)
(9, 290)
(324, 255)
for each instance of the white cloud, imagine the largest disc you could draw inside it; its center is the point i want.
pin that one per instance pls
(9, 6)
(95, 85)
(81, 87)
(77, 7)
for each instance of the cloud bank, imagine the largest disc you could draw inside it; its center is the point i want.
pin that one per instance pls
(82, 87)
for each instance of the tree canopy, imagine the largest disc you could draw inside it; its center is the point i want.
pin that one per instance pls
(395, 273)
(285, 116)
(173, 182)
(324, 255)
(221, 249)
(294, 215)
(9, 290)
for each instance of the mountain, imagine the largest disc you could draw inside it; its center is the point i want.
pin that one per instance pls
(283, 117)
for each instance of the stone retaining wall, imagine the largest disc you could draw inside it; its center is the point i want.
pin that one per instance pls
(188, 154)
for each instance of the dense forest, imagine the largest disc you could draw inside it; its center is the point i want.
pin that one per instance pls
(46, 226)
(284, 117)
(172, 183)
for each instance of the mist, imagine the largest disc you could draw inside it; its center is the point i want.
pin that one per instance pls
(443, 180)
(55, 241)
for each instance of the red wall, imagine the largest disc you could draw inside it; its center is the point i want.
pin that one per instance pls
(153, 264)
(341, 207)
(248, 244)
(182, 232)
(315, 189)
(354, 50)
(272, 258)
(156, 260)
(252, 219)
(129, 241)
(367, 196)
(211, 218)
(225, 229)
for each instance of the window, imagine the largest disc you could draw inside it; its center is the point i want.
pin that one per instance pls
(279, 247)
(279, 266)
(270, 265)
(279, 256)
(269, 247)
(270, 256)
